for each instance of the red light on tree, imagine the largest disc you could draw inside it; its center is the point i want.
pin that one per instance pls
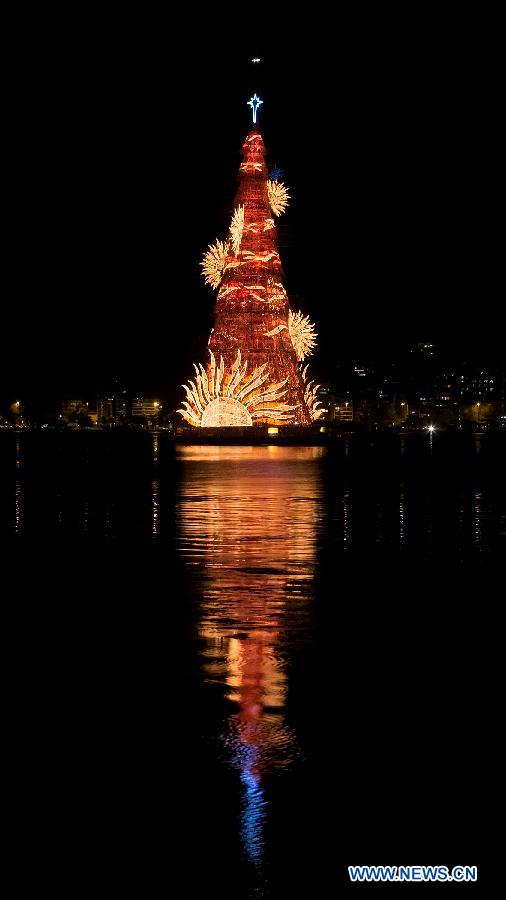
(253, 374)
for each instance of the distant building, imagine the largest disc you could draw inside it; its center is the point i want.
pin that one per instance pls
(476, 384)
(122, 408)
(502, 398)
(365, 412)
(72, 409)
(424, 350)
(363, 370)
(113, 406)
(146, 407)
(342, 410)
(364, 395)
(105, 410)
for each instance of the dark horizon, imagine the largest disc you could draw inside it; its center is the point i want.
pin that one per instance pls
(406, 364)
(125, 170)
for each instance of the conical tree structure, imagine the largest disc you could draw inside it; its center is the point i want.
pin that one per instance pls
(253, 374)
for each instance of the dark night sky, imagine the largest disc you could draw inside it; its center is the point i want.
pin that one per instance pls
(123, 147)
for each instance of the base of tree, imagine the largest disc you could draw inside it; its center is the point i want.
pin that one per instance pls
(311, 435)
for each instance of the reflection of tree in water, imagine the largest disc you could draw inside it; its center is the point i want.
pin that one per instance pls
(248, 519)
(256, 735)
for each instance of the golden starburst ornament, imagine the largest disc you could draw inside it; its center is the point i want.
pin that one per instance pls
(213, 262)
(219, 398)
(302, 334)
(311, 397)
(278, 196)
(236, 229)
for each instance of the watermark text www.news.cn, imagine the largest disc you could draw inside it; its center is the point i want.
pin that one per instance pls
(413, 873)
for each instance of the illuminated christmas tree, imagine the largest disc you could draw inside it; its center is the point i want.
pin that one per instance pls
(253, 374)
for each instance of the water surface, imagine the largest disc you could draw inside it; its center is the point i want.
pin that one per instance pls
(262, 655)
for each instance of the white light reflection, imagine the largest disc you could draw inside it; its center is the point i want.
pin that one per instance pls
(402, 515)
(347, 523)
(18, 488)
(155, 507)
(155, 491)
